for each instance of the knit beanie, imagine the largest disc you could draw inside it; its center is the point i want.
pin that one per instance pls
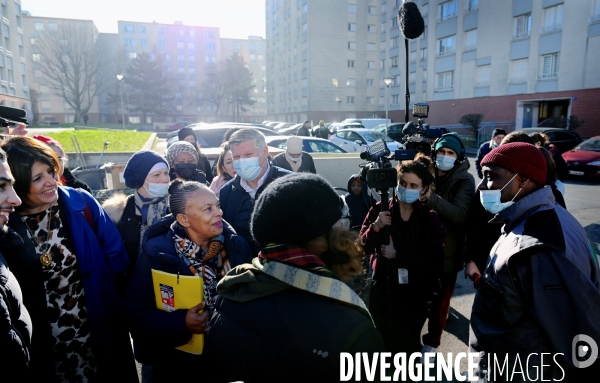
(178, 147)
(519, 157)
(184, 132)
(294, 145)
(139, 166)
(450, 141)
(498, 131)
(294, 210)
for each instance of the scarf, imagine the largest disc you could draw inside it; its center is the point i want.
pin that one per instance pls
(295, 165)
(211, 264)
(300, 268)
(151, 210)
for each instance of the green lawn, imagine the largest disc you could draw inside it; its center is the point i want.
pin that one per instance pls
(96, 125)
(93, 140)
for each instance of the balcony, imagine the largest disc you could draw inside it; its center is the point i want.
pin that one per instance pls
(446, 17)
(520, 35)
(551, 29)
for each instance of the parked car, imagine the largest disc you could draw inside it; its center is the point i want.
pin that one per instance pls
(290, 131)
(344, 125)
(355, 140)
(563, 139)
(178, 125)
(211, 136)
(49, 121)
(368, 123)
(283, 125)
(584, 159)
(309, 144)
(394, 131)
(245, 124)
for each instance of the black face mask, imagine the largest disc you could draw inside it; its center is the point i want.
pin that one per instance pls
(185, 171)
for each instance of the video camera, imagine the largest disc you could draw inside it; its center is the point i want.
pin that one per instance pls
(379, 172)
(417, 136)
(12, 116)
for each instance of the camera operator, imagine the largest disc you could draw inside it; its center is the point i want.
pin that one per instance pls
(406, 270)
(454, 190)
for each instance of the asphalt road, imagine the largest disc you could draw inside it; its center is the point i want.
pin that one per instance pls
(582, 200)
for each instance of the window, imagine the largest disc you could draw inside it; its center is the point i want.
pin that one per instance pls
(371, 28)
(209, 59)
(142, 29)
(128, 28)
(445, 80)
(161, 43)
(549, 66)
(370, 64)
(522, 26)
(209, 33)
(424, 35)
(395, 99)
(383, 27)
(370, 82)
(161, 30)
(412, 77)
(395, 42)
(180, 45)
(447, 10)
(471, 5)
(350, 63)
(553, 18)
(382, 64)
(167, 57)
(372, 10)
(370, 46)
(470, 40)
(143, 42)
(413, 56)
(36, 57)
(424, 54)
(304, 27)
(396, 80)
(370, 100)
(191, 33)
(351, 45)
(132, 55)
(180, 57)
(482, 76)
(352, 27)
(191, 58)
(351, 8)
(445, 46)
(394, 22)
(190, 46)
(210, 47)
(350, 82)
(33, 41)
(596, 11)
(425, 10)
(518, 71)
(181, 32)
(394, 62)
(130, 42)
(350, 100)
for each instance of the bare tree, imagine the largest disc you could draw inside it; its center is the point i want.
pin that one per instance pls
(70, 61)
(473, 121)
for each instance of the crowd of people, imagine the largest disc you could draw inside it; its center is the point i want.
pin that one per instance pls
(277, 250)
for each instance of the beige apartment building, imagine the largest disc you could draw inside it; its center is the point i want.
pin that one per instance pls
(14, 84)
(514, 61)
(49, 105)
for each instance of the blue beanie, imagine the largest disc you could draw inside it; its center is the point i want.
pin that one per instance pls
(139, 166)
(450, 141)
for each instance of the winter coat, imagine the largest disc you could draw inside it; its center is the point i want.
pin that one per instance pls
(237, 205)
(322, 132)
(484, 149)
(288, 334)
(103, 261)
(358, 205)
(452, 207)
(157, 333)
(308, 164)
(303, 131)
(541, 288)
(204, 165)
(15, 322)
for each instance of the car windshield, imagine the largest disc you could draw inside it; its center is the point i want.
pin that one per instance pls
(591, 144)
(374, 136)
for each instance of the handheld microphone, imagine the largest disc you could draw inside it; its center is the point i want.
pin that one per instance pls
(412, 24)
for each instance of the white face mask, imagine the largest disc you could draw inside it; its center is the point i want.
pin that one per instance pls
(444, 163)
(490, 199)
(157, 190)
(292, 158)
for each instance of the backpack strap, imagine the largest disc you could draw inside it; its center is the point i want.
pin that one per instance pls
(87, 213)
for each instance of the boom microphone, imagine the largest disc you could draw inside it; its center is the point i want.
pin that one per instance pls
(412, 24)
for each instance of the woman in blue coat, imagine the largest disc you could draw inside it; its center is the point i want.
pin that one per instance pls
(70, 267)
(194, 240)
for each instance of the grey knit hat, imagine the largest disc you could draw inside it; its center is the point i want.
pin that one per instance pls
(179, 147)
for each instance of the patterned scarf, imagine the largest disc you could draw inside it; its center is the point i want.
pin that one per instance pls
(300, 268)
(156, 209)
(211, 264)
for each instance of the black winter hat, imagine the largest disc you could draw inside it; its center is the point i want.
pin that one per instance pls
(294, 210)
(498, 131)
(139, 166)
(184, 132)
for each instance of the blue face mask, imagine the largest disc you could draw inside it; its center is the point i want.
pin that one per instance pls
(157, 190)
(247, 168)
(444, 163)
(490, 199)
(407, 195)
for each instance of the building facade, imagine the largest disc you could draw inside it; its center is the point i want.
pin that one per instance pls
(519, 61)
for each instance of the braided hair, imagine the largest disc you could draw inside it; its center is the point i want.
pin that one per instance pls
(179, 192)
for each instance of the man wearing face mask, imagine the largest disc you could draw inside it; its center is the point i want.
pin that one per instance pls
(497, 137)
(541, 286)
(295, 159)
(454, 190)
(254, 173)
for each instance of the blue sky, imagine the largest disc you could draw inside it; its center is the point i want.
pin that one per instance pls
(235, 18)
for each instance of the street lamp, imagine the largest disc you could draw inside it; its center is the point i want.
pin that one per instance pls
(120, 77)
(339, 105)
(387, 81)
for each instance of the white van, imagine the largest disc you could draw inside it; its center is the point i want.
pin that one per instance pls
(368, 123)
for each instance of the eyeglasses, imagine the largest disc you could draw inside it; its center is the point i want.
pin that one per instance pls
(64, 161)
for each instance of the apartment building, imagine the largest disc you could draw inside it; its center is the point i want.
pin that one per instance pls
(14, 84)
(518, 61)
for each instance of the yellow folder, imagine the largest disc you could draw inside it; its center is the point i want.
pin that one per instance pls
(172, 292)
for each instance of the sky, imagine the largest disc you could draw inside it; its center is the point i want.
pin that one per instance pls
(235, 18)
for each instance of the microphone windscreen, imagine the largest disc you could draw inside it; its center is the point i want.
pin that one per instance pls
(409, 129)
(412, 24)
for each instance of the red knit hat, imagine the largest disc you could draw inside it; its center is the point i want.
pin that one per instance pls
(519, 157)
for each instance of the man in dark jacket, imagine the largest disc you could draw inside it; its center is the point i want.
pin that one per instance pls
(322, 131)
(304, 130)
(497, 137)
(254, 173)
(294, 158)
(540, 292)
(15, 322)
